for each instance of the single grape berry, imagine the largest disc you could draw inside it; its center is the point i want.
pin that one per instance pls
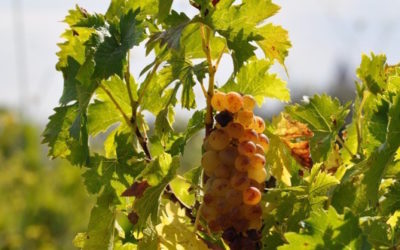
(251, 196)
(235, 130)
(245, 117)
(219, 139)
(218, 101)
(248, 102)
(257, 161)
(249, 135)
(234, 102)
(258, 124)
(242, 163)
(247, 148)
(257, 174)
(210, 161)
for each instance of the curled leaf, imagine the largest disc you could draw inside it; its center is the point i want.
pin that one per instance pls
(296, 135)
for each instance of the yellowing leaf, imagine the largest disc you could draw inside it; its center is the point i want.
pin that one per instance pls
(295, 135)
(289, 143)
(175, 230)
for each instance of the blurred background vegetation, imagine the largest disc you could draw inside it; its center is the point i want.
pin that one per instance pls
(43, 203)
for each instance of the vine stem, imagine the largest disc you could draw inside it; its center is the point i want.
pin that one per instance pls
(205, 40)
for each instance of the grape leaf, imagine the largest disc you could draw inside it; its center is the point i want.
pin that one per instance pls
(59, 137)
(372, 72)
(154, 8)
(254, 79)
(148, 206)
(288, 143)
(381, 158)
(275, 42)
(326, 230)
(239, 28)
(111, 51)
(325, 117)
(175, 230)
(319, 184)
(100, 234)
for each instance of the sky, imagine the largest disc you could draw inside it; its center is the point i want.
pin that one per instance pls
(324, 34)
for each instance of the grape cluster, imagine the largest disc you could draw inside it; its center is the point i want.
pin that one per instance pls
(233, 161)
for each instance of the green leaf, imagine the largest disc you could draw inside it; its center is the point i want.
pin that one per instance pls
(275, 43)
(112, 50)
(254, 79)
(320, 183)
(164, 122)
(326, 230)
(239, 28)
(381, 158)
(59, 138)
(372, 72)
(148, 206)
(103, 113)
(100, 234)
(158, 8)
(325, 117)
(150, 239)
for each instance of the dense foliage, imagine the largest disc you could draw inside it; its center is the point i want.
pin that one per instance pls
(331, 184)
(43, 203)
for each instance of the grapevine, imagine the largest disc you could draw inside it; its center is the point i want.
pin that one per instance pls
(312, 177)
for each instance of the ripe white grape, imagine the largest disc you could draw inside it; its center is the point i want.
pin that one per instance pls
(248, 102)
(245, 117)
(251, 196)
(247, 148)
(257, 174)
(210, 162)
(235, 130)
(234, 102)
(219, 139)
(218, 101)
(249, 135)
(242, 163)
(258, 124)
(257, 161)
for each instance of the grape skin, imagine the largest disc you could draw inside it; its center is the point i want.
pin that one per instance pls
(258, 174)
(218, 101)
(251, 196)
(234, 102)
(219, 139)
(247, 148)
(248, 102)
(235, 130)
